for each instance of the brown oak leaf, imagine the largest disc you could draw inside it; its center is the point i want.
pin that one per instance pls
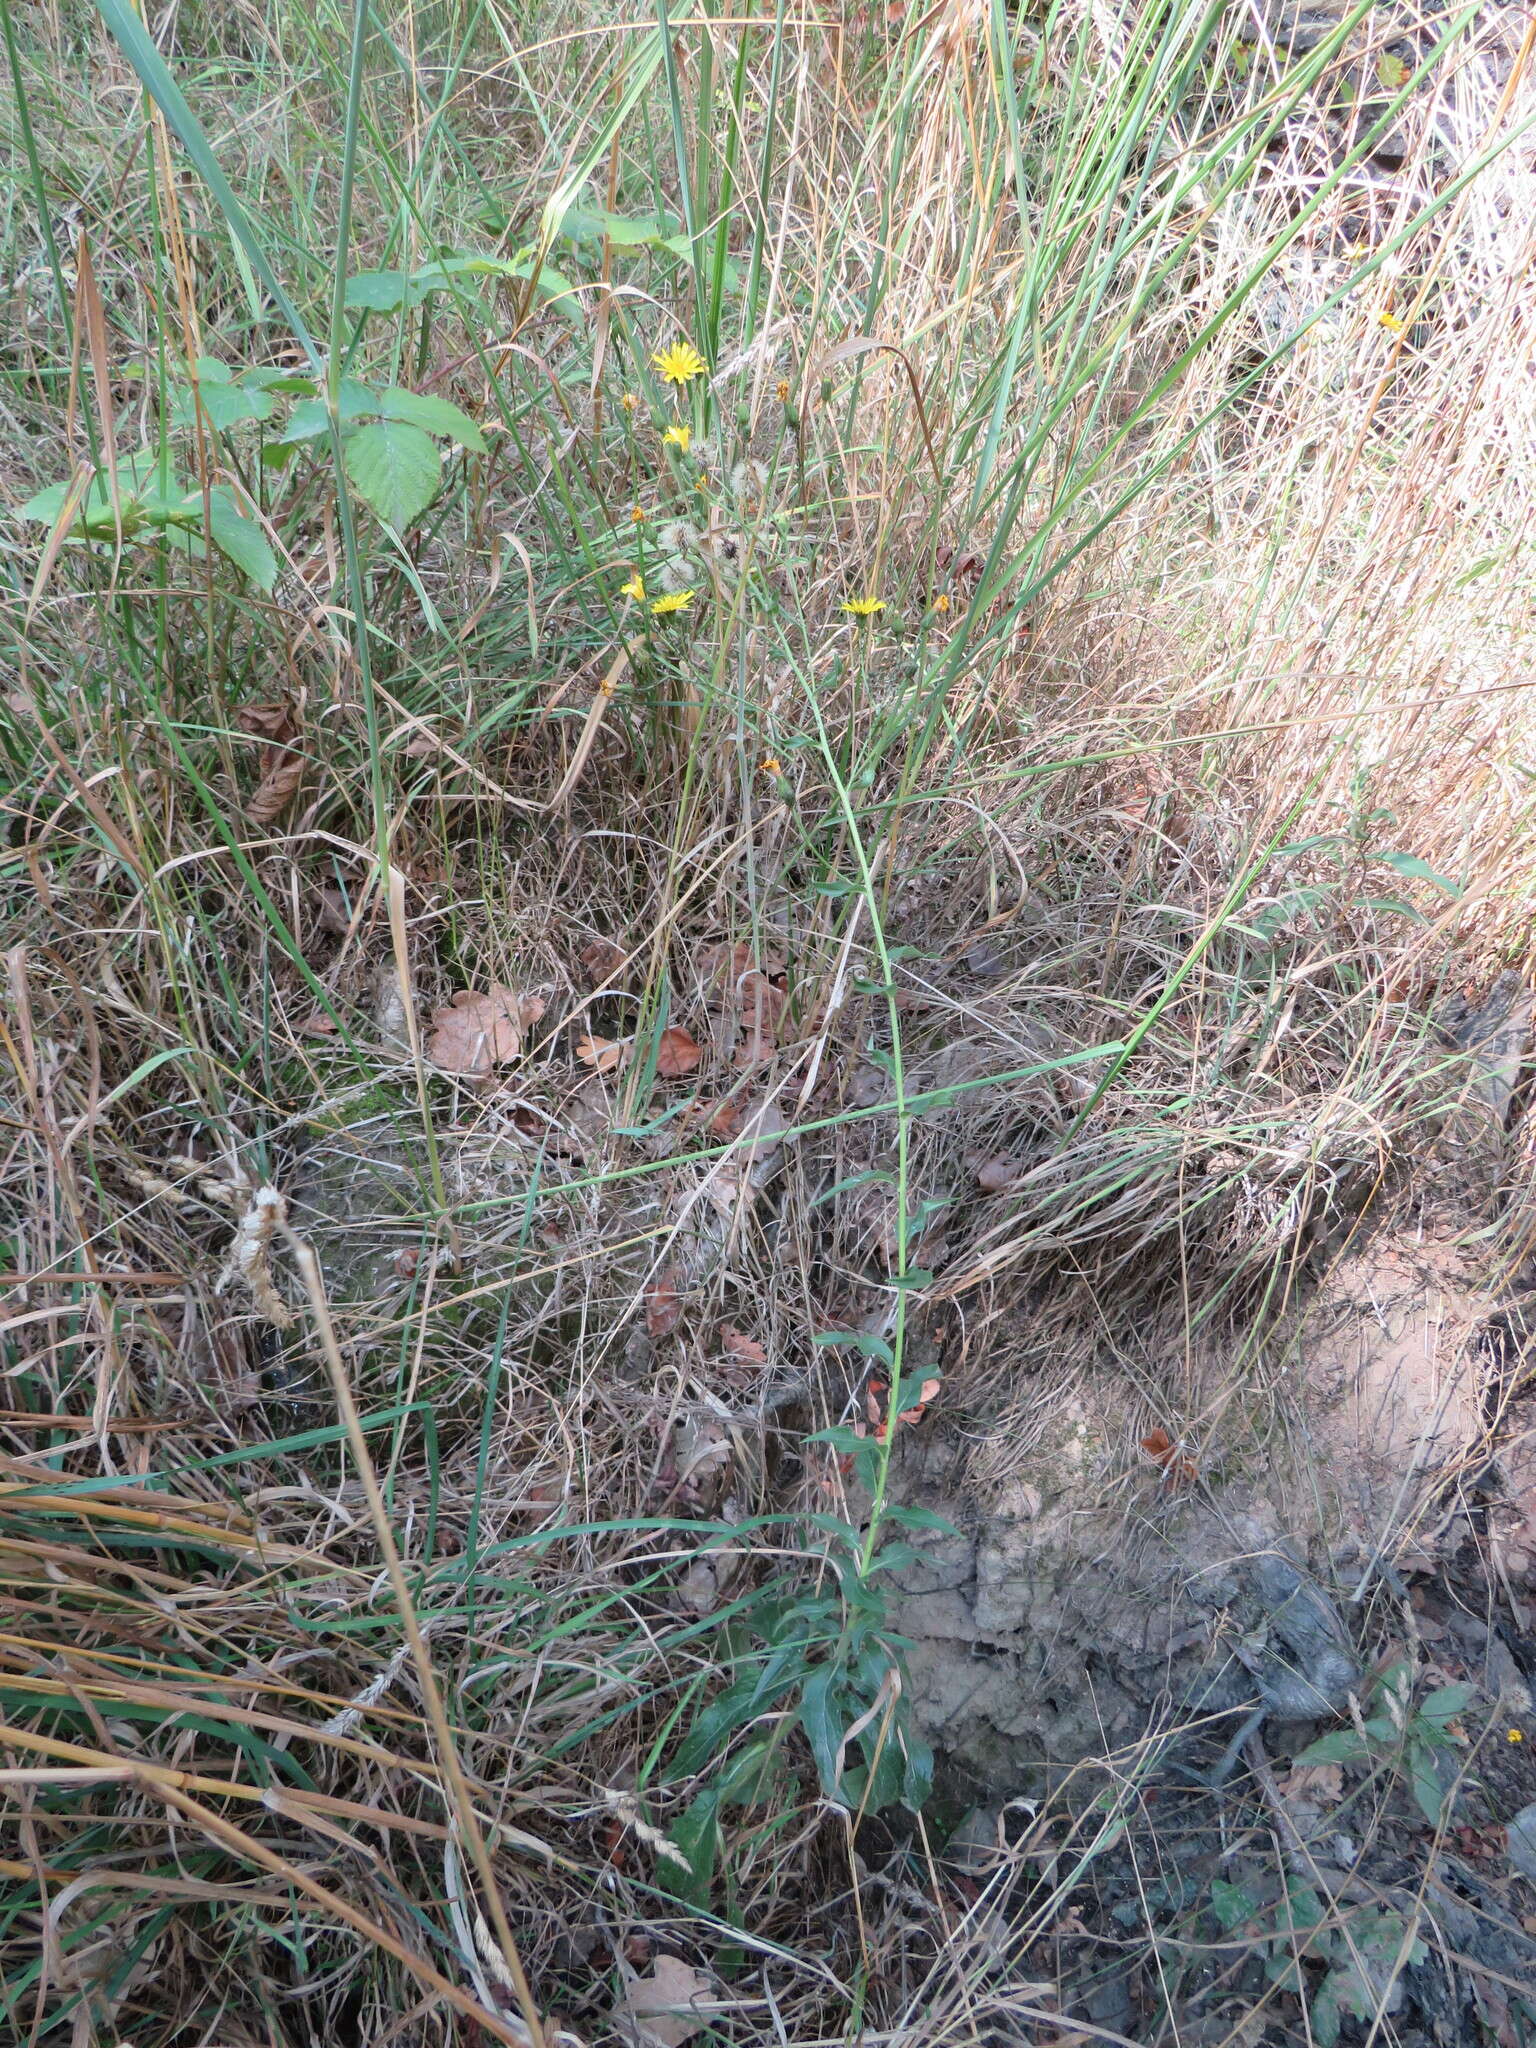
(475, 1033)
(741, 1349)
(663, 1304)
(677, 1054)
(605, 1054)
(662, 2010)
(602, 960)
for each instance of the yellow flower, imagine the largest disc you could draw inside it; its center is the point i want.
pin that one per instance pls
(674, 601)
(679, 438)
(637, 517)
(772, 765)
(1392, 323)
(634, 588)
(781, 390)
(680, 363)
(941, 602)
(1515, 1735)
(864, 607)
(629, 401)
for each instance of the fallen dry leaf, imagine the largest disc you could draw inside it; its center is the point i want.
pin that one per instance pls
(663, 1304)
(726, 964)
(475, 1033)
(1306, 1791)
(605, 1054)
(277, 787)
(602, 960)
(1177, 1470)
(660, 2010)
(677, 1053)
(281, 770)
(745, 1171)
(762, 1003)
(272, 722)
(1323, 1783)
(877, 1398)
(997, 1173)
(318, 1025)
(741, 1349)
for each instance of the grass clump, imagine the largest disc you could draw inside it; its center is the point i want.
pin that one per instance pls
(893, 607)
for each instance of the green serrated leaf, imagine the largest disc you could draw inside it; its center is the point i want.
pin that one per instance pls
(1304, 1907)
(46, 506)
(1324, 2012)
(376, 291)
(1392, 71)
(1232, 1904)
(306, 422)
(433, 415)
(228, 405)
(396, 469)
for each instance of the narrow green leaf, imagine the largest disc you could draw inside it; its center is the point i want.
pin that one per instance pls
(865, 1342)
(241, 539)
(1446, 1702)
(1426, 1783)
(1339, 1746)
(821, 1719)
(1413, 868)
(591, 224)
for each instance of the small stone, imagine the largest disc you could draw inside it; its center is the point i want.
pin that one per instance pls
(1522, 1841)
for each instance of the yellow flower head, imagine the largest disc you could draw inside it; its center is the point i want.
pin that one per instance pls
(678, 438)
(629, 401)
(941, 602)
(772, 765)
(1392, 323)
(673, 601)
(637, 517)
(680, 363)
(864, 607)
(1515, 1735)
(781, 390)
(634, 588)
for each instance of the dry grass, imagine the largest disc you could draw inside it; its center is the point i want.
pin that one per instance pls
(1077, 942)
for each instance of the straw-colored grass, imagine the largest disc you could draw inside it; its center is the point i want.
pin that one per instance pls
(424, 1640)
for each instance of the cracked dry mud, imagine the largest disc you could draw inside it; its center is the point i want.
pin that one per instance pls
(1084, 1602)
